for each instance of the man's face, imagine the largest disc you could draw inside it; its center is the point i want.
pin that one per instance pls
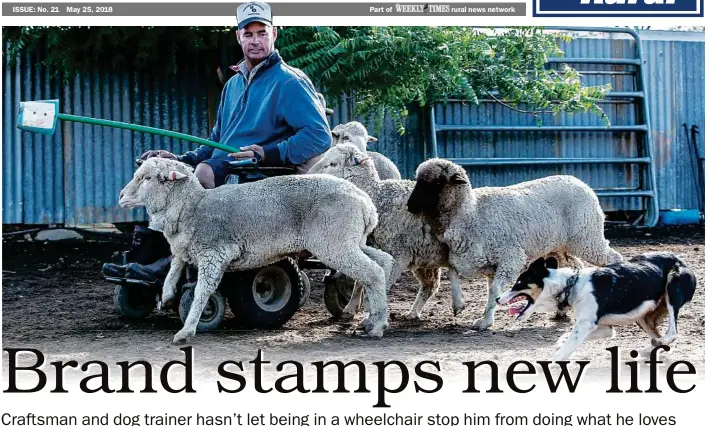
(257, 41)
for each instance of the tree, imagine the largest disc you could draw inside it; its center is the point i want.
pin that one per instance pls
(385, 69)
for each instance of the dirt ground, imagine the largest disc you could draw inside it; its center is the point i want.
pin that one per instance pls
(54, 300)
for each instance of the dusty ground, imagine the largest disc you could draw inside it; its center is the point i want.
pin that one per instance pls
(54, 299)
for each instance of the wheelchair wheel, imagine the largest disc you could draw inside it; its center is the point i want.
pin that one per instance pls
(268, 297)
(213, 313)
(338, 291)
(306, 289)
(132, 302)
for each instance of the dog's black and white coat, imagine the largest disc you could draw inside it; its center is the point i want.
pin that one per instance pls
(643, 290)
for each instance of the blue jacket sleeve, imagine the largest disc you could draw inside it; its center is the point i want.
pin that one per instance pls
(204, 152)
(300, 108)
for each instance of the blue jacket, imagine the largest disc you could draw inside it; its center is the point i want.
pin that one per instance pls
(274, 106)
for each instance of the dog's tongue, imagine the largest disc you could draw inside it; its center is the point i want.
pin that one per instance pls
(515, 310)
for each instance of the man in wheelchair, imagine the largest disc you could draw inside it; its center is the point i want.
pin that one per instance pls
(268, 109)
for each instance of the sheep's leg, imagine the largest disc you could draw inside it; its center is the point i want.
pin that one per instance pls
(608, 256)
(169, 286)
(392, 269)
(456, 291)
(590, 244)
(396, 271)
(353, 305)
(613, 256)
(573, 261)
(388, 264)
(385, 261)
(506, 273)
(430, 280)
(210, 272)
(351, 260)
(594, 249)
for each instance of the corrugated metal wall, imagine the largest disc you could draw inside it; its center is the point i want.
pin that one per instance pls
(32, 164)
(676, 96)
(74, 177)
(675, 85)
(99, 161)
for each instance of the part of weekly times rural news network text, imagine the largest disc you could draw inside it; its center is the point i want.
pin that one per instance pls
(353, 213)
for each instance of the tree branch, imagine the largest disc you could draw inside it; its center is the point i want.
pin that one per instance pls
(522, 111)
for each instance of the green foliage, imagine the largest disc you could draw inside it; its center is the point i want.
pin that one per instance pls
(67, 50)
(386, 69)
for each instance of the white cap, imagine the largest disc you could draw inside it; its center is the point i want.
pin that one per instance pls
(254, 11)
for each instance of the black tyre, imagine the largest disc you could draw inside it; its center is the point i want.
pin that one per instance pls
(306, 289)
(338, 291)
(267, 297)
(133, 303)
(213, 313)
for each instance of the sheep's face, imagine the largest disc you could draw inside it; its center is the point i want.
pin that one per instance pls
(152, 182)
(529, 294)
(344, 161)
(353, 132)
(433, 178)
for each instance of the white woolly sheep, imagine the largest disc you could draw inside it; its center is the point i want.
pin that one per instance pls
(496, 231)
(355, 133)
(239, 227)
(407, 237)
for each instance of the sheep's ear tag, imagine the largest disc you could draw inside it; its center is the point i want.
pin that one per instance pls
(175, 175)
(356, 161)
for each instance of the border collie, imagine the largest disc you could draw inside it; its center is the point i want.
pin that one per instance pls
(642, 290)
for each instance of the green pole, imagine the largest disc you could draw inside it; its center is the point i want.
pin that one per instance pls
(146, 129)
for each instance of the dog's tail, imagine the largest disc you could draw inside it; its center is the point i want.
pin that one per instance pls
(681, 284)
(673, 274)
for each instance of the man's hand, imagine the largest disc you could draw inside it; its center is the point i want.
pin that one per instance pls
(249, 152)
(158, 153)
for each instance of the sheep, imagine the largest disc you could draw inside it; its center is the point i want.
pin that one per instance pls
(354, 132)
(408, 238)
(239, 227)
(496, 231)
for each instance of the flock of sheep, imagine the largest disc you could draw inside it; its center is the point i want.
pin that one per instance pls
(356, 215)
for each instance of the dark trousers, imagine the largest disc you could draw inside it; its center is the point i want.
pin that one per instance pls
(148, 246)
